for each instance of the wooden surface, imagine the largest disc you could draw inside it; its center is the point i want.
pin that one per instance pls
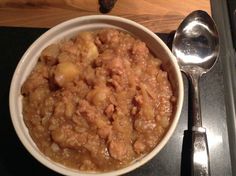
(157, 15)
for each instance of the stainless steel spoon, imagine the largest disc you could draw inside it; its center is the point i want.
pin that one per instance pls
(196, 47)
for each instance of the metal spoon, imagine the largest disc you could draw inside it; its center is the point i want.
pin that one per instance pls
(196, 47)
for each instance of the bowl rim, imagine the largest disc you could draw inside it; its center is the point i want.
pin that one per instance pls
(64, 170)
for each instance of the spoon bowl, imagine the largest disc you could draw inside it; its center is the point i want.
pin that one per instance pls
(196, 42)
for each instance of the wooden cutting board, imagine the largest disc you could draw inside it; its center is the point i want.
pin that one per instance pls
(157, 15)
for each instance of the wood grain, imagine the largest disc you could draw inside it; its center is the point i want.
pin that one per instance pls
(157, 15)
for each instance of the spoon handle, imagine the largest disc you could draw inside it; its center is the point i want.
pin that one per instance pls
(200, 154)
(194, 98)
(200, 165)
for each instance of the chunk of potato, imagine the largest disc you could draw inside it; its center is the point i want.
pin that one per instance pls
(66, 57)
(164, 121)
(70, 109)
(91, 51)
(139, 146)
(118, 149)
(49, 54)
(86, 46)
(148, 111)
(65, 72)
(86, 36)
(98, 95)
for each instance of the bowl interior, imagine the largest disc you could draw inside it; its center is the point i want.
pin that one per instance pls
(67, 30)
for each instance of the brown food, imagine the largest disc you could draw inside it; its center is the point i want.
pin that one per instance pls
(97, 101)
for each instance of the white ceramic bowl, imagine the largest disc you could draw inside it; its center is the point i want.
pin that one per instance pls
(67, 30)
